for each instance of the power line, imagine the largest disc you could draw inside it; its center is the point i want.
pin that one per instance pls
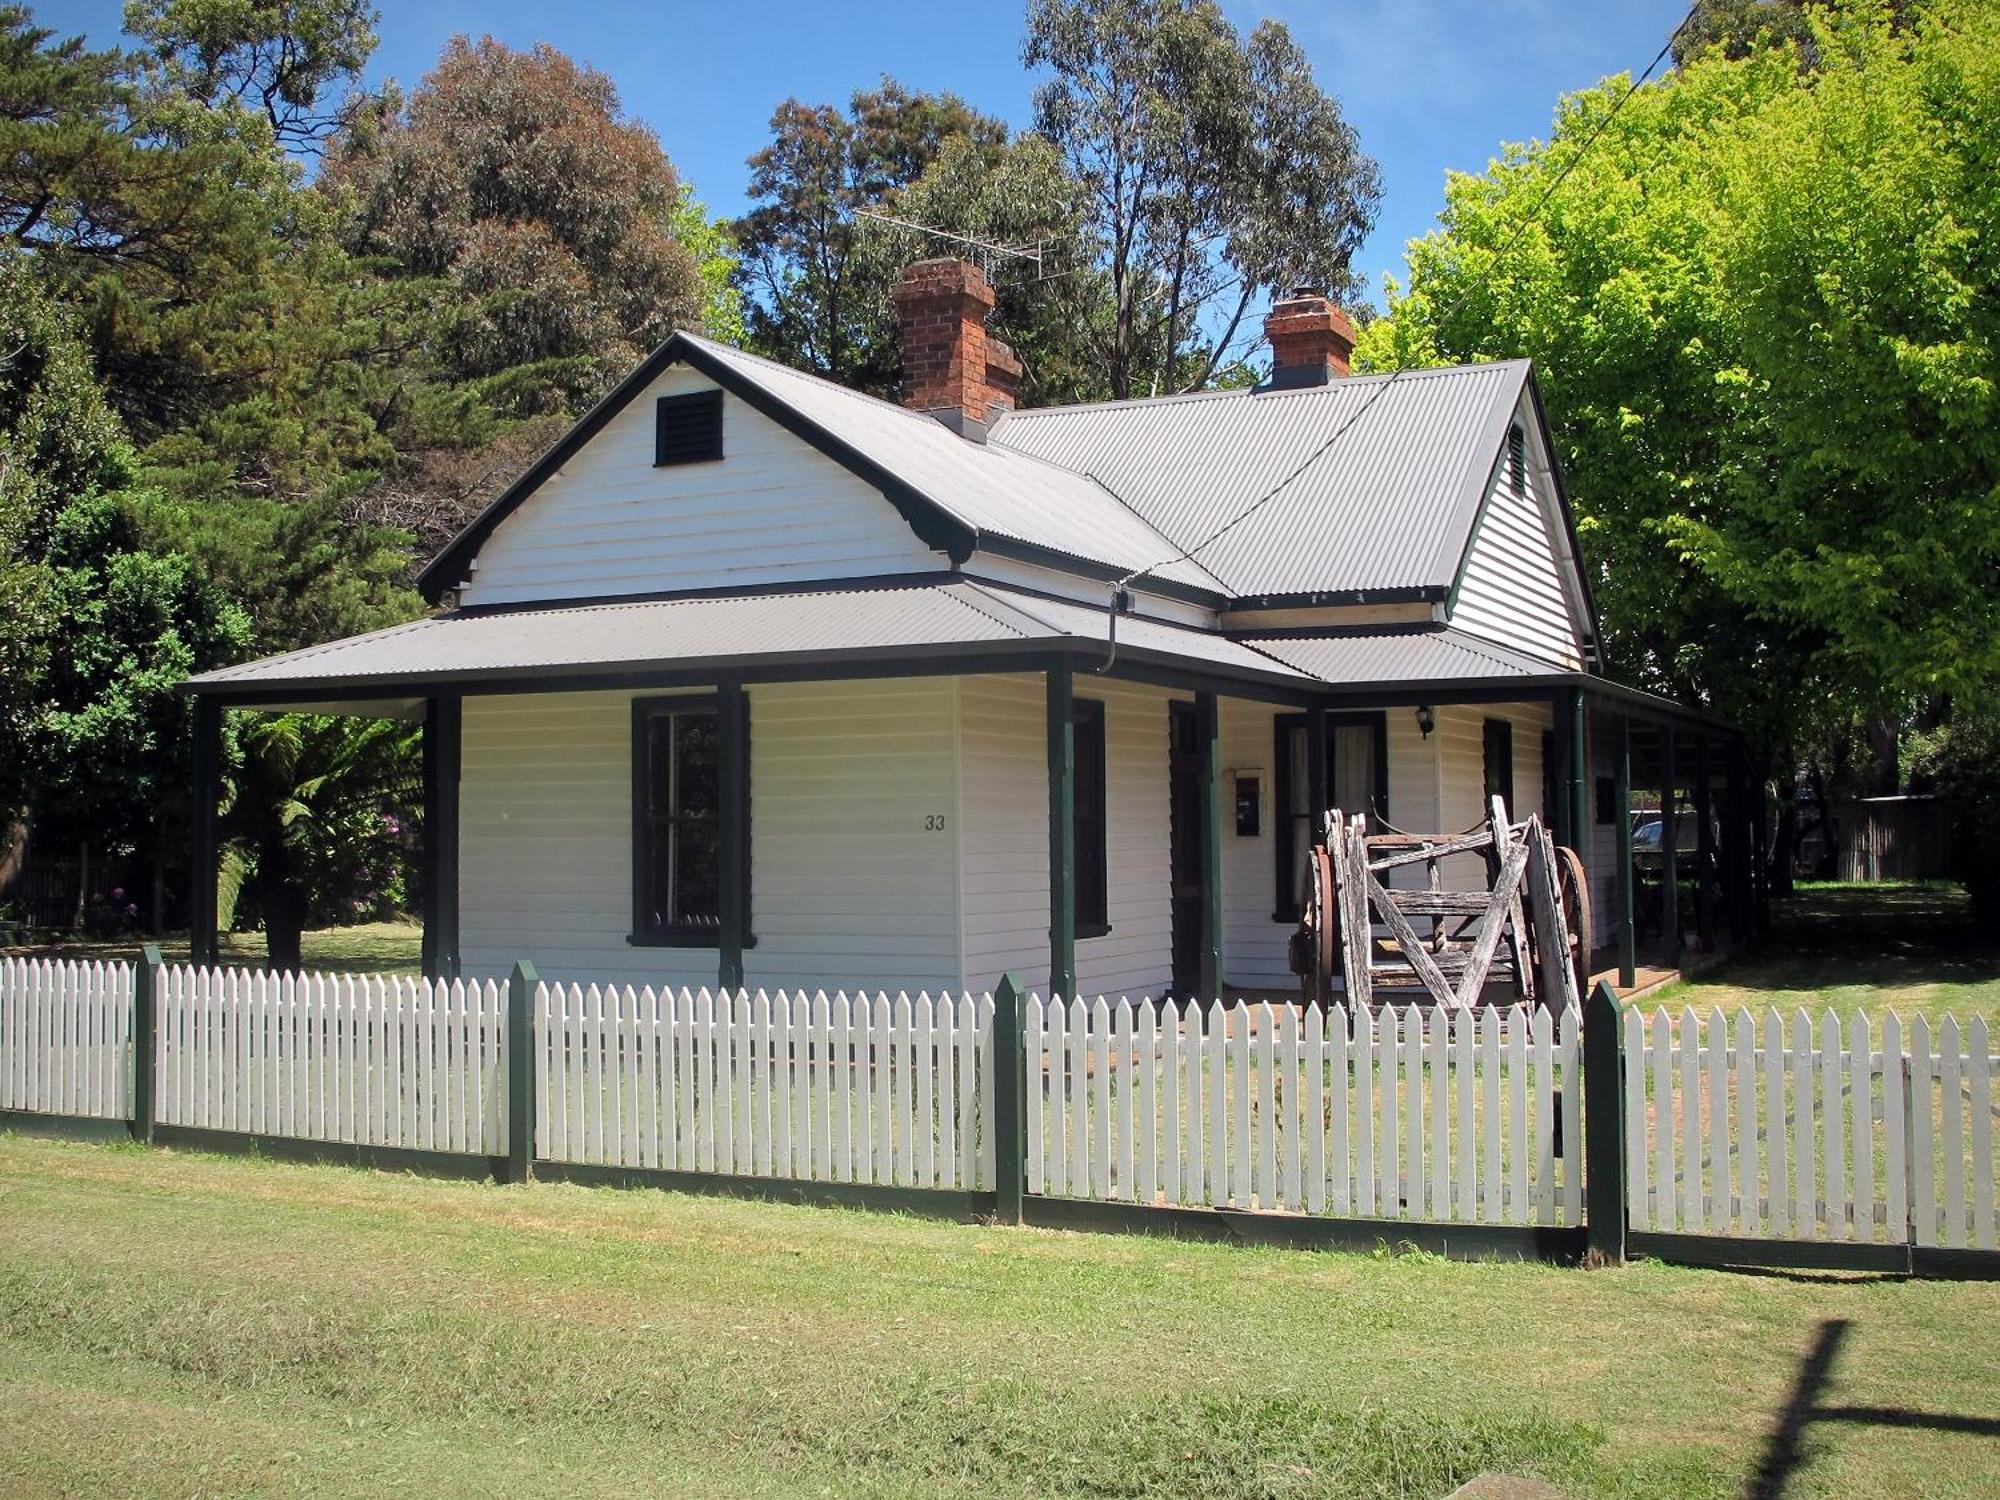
(1187, 554)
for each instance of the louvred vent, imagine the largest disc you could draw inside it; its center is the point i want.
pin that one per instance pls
(688, 429)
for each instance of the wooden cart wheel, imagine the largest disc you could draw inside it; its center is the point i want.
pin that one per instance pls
(1574, 887)
(1321, 921)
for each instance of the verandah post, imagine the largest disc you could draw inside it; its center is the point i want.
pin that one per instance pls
(1604, 1125)
(1628, 926)
(206, 853)
(1062, 831)
(145, 1028)
(1208, 740)
(1010, 1145)
(521, 986)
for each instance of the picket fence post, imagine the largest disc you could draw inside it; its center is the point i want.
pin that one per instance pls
(1010, 1147)
(1604, 1125)
(145, 1027)
(521, 986)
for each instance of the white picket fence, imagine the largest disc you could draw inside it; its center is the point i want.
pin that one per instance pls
(1441, 1116)
(1811, 1129)
(66, 1038)
(376, 1061)
(861, 1089)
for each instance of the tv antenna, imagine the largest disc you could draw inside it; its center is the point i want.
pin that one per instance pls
(988, 250)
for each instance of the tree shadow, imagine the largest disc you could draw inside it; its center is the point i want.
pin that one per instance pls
(1867, 935)
(1787, 1450)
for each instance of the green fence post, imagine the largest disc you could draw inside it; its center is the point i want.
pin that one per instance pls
(145, 1030)
(1009, 1100)
(520, 1071)
(1604, 1125)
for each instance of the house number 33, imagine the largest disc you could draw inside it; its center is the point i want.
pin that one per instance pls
(933, 822)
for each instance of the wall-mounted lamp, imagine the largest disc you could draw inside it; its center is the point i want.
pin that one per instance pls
(1427, 720)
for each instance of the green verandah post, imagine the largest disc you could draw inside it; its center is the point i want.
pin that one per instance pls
(1009, 1100)
(1604, 1125)
(145, 1029)
(520, 1071)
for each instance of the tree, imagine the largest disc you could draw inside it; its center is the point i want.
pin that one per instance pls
(540, 219)
(816, 297)
(280, 59)
(1765, 317)
(1218, 172)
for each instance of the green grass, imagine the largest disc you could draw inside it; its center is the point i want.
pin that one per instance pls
(174, 1324)
(368, 948)
(1910, 948)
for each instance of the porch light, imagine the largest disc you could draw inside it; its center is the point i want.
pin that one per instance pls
(1427, 720)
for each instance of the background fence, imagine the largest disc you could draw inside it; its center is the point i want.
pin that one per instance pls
(1744, 1139)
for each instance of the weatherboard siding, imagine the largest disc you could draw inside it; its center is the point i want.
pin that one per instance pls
(1005, 877)
(772, 511)
(1511, 587)
(850, 884)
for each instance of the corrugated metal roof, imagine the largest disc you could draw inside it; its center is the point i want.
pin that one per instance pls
(996, 491)
(709, 634)
(1388, 507)
(1418, 653)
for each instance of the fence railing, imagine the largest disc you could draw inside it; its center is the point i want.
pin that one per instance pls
(1810, 1128)
(1749, 1139)
(815, 1088)
(1470, 1116)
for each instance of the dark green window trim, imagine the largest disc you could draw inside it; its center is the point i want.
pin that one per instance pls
(1088, 817)
(1284, 819)
(645, 933)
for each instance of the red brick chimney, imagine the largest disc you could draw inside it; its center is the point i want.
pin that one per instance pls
(1311, 339)
(951, 368)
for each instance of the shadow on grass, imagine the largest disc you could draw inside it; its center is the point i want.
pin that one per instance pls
(1883, 935)
(1788, 1449)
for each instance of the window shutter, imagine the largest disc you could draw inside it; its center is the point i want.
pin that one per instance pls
(688, 429)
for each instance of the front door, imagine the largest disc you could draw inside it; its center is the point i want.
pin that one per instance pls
(1184, 861)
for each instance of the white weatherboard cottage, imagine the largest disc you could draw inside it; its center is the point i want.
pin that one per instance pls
(752, 679)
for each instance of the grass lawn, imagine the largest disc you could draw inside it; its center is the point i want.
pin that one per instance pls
(176, 1324)
(1909, 948)
(370, 948)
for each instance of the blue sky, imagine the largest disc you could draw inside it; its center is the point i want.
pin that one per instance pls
(1429, 84)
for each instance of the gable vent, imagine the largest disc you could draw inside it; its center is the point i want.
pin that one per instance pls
(688, 429)
(1517, 459)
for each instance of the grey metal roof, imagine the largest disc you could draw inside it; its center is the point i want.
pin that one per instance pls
(996, 491)
(578, 642)
(1388, 508)
(1404, 654)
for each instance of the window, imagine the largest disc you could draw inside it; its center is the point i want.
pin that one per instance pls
(1499, 761)
(1357, 780)
(678, 822)
(1607, 800)
(1087, 821)
(687, 429)
(1517, 459)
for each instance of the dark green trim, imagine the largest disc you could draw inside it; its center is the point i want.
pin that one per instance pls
(1628, 926)
(1576, 790)
(1060, 727)
(286, 1148)
(145, 1039)
(1670, 863)
(1743, 1251)
(521, 1110)
(1426, 593)
(1318, 784)
(1208, 745)
(1604, 1125)
(1010, 1100)
(1942, 1263)
(733, 848)
(206, 855)
(1563, 1244)
(64, 1127)
(933, 525)
(961, 1205)
(443, 753)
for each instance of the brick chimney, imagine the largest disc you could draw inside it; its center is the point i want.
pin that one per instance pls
(1311, 339)
(951, 368)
